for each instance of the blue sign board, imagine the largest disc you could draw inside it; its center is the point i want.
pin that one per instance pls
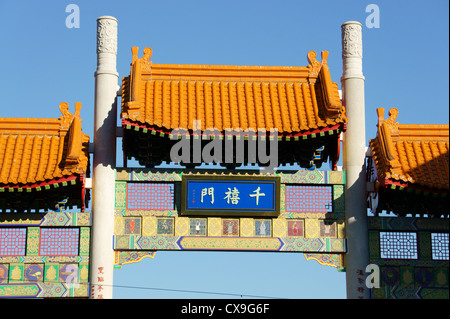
(230, 195)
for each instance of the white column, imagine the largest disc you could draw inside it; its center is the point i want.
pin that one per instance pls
(357, 257)
(105, 118)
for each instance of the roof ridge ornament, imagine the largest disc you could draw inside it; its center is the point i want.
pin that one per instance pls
(390, 121)
(67, 117)
(76, 159)
(314, 65)
(145, 58)
(386, 130)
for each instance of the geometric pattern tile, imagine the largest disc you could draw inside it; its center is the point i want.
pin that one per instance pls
(398, 245)
(300, 198)
(150, 196)
(12, 241)
(59, 242)
(439, 246)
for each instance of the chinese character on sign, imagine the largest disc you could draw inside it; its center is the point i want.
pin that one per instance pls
(208, 191)
(232, 195)
(257, 195)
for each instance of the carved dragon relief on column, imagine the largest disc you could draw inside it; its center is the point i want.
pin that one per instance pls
(351, 40)
(106, 36)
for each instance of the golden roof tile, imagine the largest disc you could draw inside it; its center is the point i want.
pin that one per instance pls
(35, 150)
(291, 99)
(411, 154)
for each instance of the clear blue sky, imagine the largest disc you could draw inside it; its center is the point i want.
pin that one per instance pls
(43, 63)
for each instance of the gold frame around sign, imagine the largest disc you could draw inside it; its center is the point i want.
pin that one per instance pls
(219, 213)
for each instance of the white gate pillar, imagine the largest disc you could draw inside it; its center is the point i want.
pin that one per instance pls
(354, 150)
(103, 181)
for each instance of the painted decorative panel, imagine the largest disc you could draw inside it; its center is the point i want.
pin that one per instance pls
(439, 246)
(398, 245)
(12, 241)
(306, 198)
(148, 196)
(132, 226)
(309, 214)
(295, 228)
(263, 228)
(164, 226)
(197, 226)
(230, 227)
(59, 242)
(412, 255)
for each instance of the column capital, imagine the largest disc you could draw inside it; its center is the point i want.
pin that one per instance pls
(352, 39)
(107, 35)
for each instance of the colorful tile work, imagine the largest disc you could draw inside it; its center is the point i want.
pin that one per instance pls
(121, 194)
(43, 290)
(332, 260)
(303, 177)
(197, 227)
(51, 272)
(440, 246)
(408, 224)
(174, 175)
(295, 228)
(230, 243)
(59, 241)
(327, 229)
(66, 219)
(129, 257)
(34, 272)
(33, 238)
(85, 241)
(338, 199)
(38, 271)
(148, 225)
(164, 226)
(69, 273)
(279, 226)
(156, 242)
(182, 226)
(155, 175)
(12, 241)
(314, 244)
(301, 198)
(132, 226)
(16, 272)
(412, 283)
(263, 228)
(294, 244)
(247, 227)
(4, 272)
(398, 245)
(230, 227)
(148, 196)
(51, 218)
(19, 290)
